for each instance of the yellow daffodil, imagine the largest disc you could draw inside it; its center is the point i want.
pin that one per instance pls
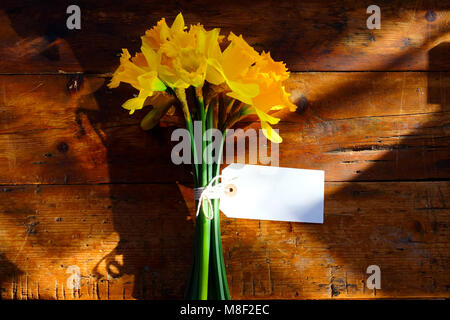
(255, 80)
(141, 75)
(179, 57)
(155, 37)
(183, 53)
(231, 67)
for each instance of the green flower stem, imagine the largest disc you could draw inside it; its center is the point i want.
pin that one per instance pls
(191, 292)
(205, 224)
(181, 95)
(214, 282)
(221, 285)
(201, 106)
(192, 288)
(209, 125)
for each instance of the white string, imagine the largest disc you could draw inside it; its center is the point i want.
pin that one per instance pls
(207, 193)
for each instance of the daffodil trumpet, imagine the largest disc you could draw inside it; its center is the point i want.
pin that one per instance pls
(216, 81)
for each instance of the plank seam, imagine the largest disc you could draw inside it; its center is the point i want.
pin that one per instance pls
(189, 184)
(109, 74)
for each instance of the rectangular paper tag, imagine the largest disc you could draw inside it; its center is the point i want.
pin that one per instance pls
(273, 193)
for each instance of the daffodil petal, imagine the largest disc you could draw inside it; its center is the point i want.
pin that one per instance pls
(170, 78)
(212, 44)
(201, 41)
(126, 72)
(269, 133)
(213, 76)
(134, 104)
(157, 35)
(149, 81)
(287, 101)
(277, 107)
(241, 91)
(137, 103)
(265, 117)
(240, 97)
(249, 90)
(178, 23)
(153, 58)
(238, 57)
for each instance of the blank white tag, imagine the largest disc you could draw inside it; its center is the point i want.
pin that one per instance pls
(272, 193)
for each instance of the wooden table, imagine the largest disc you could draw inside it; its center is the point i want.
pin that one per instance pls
(84, 189)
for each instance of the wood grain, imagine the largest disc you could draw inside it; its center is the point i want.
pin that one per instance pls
(355, 126)
(314, 35)
(141, 231)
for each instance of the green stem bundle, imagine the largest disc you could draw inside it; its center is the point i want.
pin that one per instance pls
(208, 275)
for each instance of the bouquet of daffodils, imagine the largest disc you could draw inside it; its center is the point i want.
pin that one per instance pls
(216, 81)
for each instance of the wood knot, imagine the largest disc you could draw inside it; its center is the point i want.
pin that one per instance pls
(430, 16)
(62, 147)
(301, 103)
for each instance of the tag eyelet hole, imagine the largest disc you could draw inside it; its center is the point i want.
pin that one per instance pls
(230, 190)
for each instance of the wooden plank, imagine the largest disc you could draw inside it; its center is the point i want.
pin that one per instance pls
(58, 227)
(313, 35)
(355, 126)
(143, 233)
